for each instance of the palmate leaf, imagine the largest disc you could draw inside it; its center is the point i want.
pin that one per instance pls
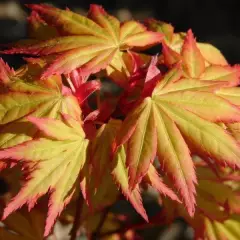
(58, 159)
(216, 215)
(175, 42)
(184, 49)
(23, 225)
(45, 98)
(5, 73)
(180, 117)
(120, 173)
(102, 168)
(193, 61)
(229, 229)
(89, 43)
(97, 183)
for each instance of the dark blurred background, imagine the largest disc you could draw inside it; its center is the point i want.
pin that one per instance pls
(212, 21)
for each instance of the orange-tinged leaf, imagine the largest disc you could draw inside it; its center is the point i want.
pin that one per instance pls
(107, 22)
(15, 105)
(23, 225)
(141, 148)
(170, 77)
(134, 34)
(5, 72)
(207, 205)
(129, 125)
(56, 45)
(165, 28)
(174, 41)
(174, 157)
(68, 22)
(98, 198)
(121, 173)
(193, 61)
(56, 170)
(211, 54)
(204, 104)
(170, 56)
(39, 29)
(152, 177)
(207, 138)
(89, 43)
(227, 74)
(40, 99)
(124, 65)
(186, 83)
(196, 96)
(231, 94)
(94, 55)
(216, 217)
(100, 153)
(234, 129)
(227, 230)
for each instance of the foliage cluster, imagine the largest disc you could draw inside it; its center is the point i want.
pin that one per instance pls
(169, 121)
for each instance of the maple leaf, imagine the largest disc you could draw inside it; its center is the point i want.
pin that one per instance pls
(227, 229)
(5, 72)
(178, 118)
(88, 43)
(59, 157)
(23, 225)
(189, 54)
(99, 182)
(38, 29)
(45, 98)
(120, 173)
(96, 198)
(113, 222)
(193, 61)
(175, 41)
(216, 213)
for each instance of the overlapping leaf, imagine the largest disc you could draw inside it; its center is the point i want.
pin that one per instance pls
(23, 225)
(39, 98)
(184, 102)
(216, 214)
(102, 167)
(58, 158)
(89, 43)
(229, 229)
(175, 41)
(181, 114)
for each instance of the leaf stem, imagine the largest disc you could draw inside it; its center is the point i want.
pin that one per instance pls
(98, 99)
(157, 220)
(122, 230)
(97, 232)
(77, 218)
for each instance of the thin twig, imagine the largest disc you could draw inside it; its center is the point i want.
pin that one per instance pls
(77, 218)
(98, 99)
(138, 226)
(97, 232)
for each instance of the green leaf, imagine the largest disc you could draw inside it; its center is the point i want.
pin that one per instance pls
(38, 99)
(23, 225)
(57, 166)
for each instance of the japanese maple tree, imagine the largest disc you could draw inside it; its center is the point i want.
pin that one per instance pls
(170, 121)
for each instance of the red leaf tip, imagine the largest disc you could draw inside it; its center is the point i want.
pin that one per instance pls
(96, 9)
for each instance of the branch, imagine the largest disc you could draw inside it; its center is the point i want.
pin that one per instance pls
(77, 218)
(97, 232)
(156, 221)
